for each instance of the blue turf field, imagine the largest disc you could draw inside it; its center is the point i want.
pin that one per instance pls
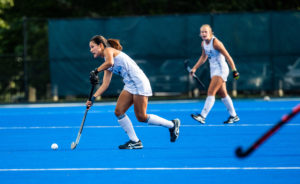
(202, 154)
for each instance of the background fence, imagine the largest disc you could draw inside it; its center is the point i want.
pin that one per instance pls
(264, 46)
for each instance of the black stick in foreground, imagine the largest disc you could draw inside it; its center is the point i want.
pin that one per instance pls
(241, 154)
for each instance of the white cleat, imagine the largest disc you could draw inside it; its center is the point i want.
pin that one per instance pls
(232, 119)
(174, 132)
(198, 118)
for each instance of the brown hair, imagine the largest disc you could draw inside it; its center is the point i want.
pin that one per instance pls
(115, 44)
(107, 43)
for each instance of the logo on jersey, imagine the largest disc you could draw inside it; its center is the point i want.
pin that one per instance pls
(209, 53)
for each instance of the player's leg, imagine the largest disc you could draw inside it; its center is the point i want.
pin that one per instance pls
(140, 108)
(228, 103)
(125, 100)
(215, 84)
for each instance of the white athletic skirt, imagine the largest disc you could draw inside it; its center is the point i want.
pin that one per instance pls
(221, 70)
(138, 84)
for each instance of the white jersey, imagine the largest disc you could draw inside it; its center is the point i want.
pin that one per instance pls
(134, 78)
(217, 62)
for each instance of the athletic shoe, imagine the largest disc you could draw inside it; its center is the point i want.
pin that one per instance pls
(174, 132)
(132, 145)
(198, 118)
(232, 119)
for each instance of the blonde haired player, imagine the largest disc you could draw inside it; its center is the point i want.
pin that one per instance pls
(216, 53)
(135, 92)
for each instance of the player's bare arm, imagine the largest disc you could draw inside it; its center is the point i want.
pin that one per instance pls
(218, 45)
(200, 61)
(106, 81)
(109, 59)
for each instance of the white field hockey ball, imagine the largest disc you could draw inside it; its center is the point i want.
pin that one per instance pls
(54, 146)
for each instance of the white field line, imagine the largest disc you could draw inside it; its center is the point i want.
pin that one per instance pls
(150, 110)
(150, 169)
(81, 104)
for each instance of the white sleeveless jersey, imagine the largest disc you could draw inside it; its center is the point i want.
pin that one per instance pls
(217, 62)
(134, 78)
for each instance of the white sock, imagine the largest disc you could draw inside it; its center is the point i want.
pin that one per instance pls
(229, 105)
(209, 102)
(126, 124)
(156, 120)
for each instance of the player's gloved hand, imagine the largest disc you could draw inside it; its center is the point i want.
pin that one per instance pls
(236, 74)
(94, 79)
(192, 71)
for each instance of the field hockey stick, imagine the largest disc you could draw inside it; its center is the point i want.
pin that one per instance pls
(240, 153)
(188, 68)
(74, 144)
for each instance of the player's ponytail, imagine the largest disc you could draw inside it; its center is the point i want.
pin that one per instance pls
(115, 44)
(107, 43)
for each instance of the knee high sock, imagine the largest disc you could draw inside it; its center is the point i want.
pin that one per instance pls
(156, 120)
(126, 124)
(229, 105)
(209, 102)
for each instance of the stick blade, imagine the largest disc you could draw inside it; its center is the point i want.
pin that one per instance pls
(239, 152)
(73, 145)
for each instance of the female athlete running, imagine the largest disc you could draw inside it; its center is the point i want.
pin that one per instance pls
(136, 91)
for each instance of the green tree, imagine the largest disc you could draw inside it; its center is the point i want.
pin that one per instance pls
(5, 4)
